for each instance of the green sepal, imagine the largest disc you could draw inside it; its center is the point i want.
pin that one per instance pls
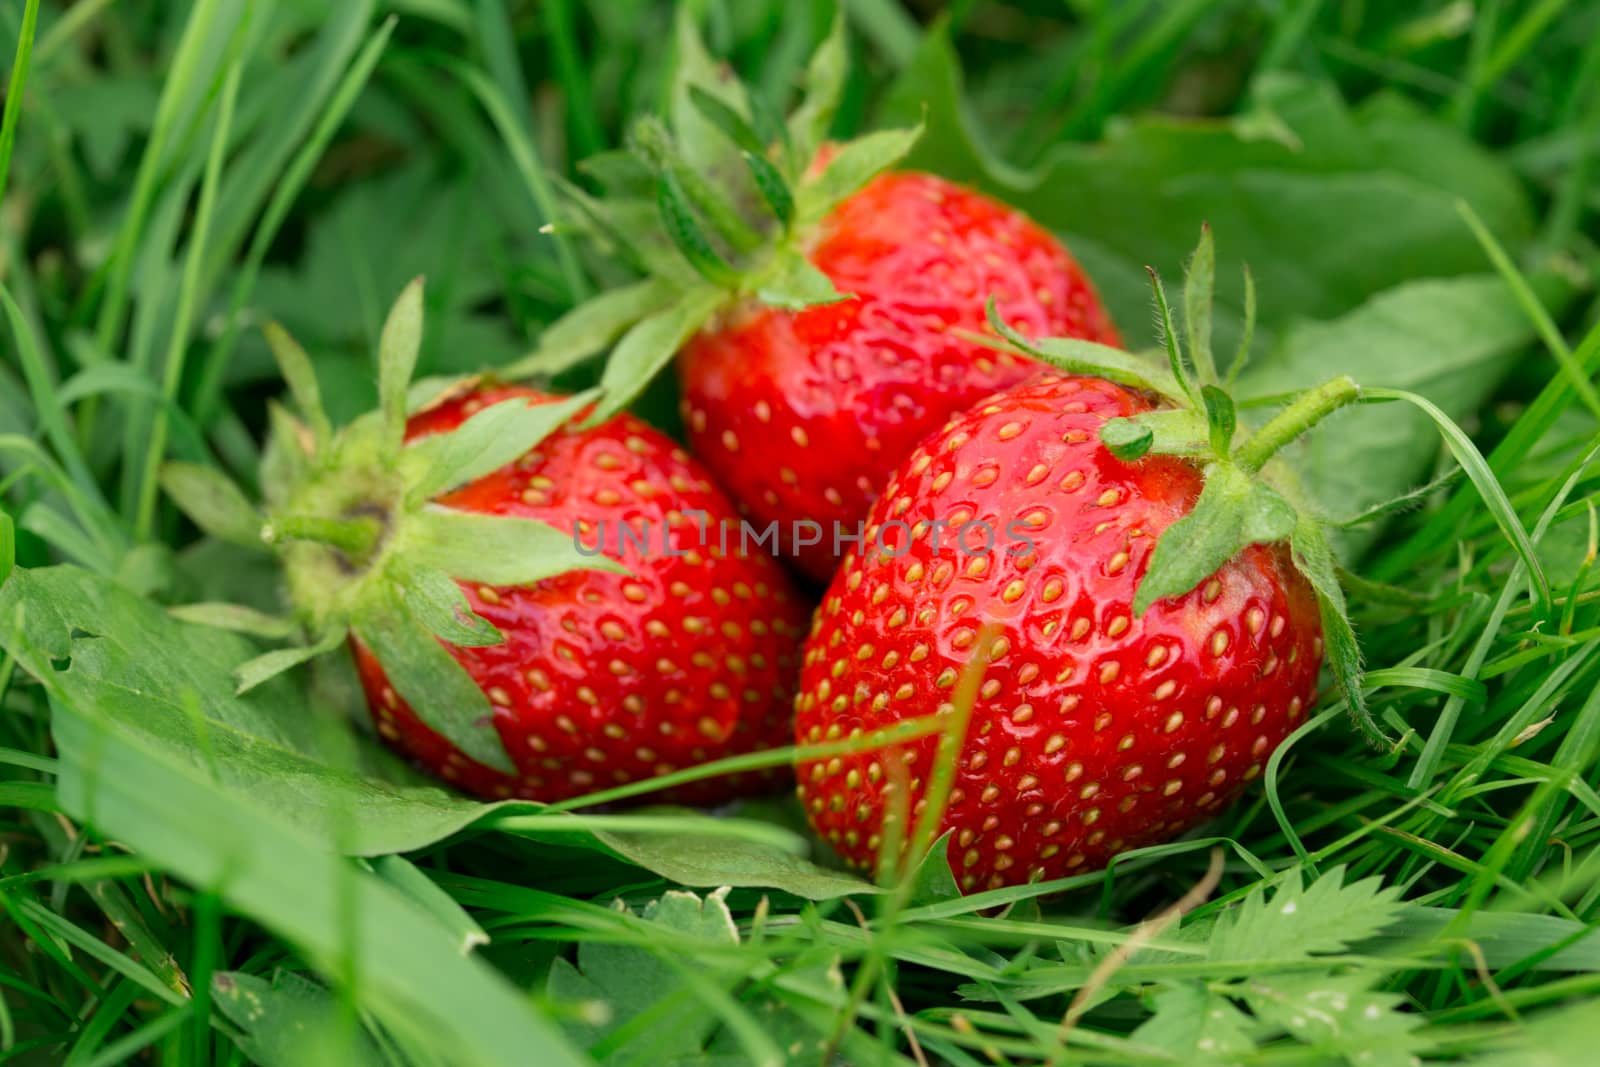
(1199, 287)
(495, 549)
(439, 604)
(301, 377)
(1090, 358)
(422, 671)
(1169, 340)
(1232, 512)
(214, 502)
(732, 125)
(286, 458)
(1313, 557)
(852, 166)
(1397, 504)
(824, 88)
(688, 236)
(588, 328)
(772, 186)
(619, 172)
(269, 665)
(398, 347)
(1221, 419)
(795, 283)
(490, 439)
(629, 228)
(1164, 432)
(1241, 355)
(236, 618)
(648, 347)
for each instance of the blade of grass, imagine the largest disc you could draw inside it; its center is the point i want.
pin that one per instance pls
(16, 91)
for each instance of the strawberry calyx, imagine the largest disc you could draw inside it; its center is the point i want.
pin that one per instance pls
(715, 204)
(1249, 496)
(366, 551)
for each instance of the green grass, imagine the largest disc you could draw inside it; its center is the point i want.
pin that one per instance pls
(192, 877)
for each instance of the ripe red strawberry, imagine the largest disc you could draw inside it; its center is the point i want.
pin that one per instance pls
(1115, 609)
(803, 414)
(608, 678)
(1094, 730)
(536, 610)
(818, 299)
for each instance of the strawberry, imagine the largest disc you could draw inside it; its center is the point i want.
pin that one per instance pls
(535, 610)
(821, 303)
(1092, 587)
(606, 678)
(803, 414)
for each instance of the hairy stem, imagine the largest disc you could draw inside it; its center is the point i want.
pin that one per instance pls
(1304, 412)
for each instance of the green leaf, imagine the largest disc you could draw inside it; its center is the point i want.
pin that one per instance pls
(301, 377)
(1090, 358)
(1340, 1015)
(1232, 512)
(772, 186)
(1299, 921)
(1199, 287)
(588, 328)
(1313, 557)
(1199, 1026)
(732, 125)
(1349, 203)
(934, 880)
(499, 434)
(289, 1021)
(429, 679)
(824, 87)
(648, 347)
(853, 165)
(236, 618)
(795, 283)
(269, 665)
(398, 348)
(440, 605)
(406, 877)
(705, 148)
(495, 549)
(1168, 331)
(212, 500)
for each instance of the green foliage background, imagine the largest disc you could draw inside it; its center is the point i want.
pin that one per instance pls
(191, 876)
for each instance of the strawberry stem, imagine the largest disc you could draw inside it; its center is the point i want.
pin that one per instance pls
(355, 537)
(1304, 412)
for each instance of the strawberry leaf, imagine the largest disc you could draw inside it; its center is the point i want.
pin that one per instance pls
(269, 665)
(1300, 922)
(490, 439)
(591, 326)
(648, 347)
(704, 147)
(687, 234)
(214, 502)
(398, 347)
(1204, 1028)
(1231, 513)
(440, 605)
(495, 549)
(1339, 1015)
(429, 679)
(1221, 419)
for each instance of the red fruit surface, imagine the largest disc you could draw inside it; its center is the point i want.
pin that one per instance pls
(803, 415)
(1092, 731)
(609, 678)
